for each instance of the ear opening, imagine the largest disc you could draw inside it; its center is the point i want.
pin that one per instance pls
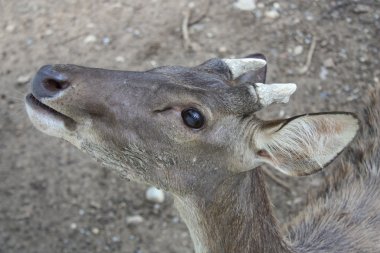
(305, 144)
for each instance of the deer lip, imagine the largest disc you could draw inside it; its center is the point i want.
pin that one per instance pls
(46, 111)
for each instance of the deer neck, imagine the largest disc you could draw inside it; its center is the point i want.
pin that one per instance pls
(236, 216)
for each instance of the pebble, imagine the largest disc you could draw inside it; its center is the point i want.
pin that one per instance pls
(29, 41)
(153, 63)
(90, 39)
(323, 73)
(272, 14)
(73, 226)
(276, 5)
(329, 63)
(261, 5)
(324, 95)
(95, 231)
(115, 238)
(106, 41)
(134, 220)
(298, 50)
(360, 8)
(48, 32)
(156, 208)
(10, 28)
(155, 195)
(119, 59)
(95, 205)
(308, 16)
(364, 59)
(245, 5)
(176, 220)
(23, 79)
(137, 33)
(222, 49)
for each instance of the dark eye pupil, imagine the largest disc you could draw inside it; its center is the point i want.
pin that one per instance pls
(193, 118)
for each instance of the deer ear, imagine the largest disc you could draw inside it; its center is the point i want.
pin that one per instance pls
(305, 144)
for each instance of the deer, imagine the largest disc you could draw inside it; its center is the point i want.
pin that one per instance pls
(194, 132)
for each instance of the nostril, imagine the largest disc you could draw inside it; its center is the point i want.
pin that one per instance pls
(49, 82)
(53, 85)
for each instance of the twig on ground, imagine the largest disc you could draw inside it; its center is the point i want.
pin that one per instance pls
(187, 43)
(70, 39)
(305, 68)
(185, 31)
(202, 16)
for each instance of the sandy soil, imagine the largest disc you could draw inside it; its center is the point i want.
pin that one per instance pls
(53, 198)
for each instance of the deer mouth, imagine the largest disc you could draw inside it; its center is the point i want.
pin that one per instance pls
(46, 118)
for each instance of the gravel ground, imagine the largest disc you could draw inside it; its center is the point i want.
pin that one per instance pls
(54, 198)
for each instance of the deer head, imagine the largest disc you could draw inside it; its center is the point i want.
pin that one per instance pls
(184, 129)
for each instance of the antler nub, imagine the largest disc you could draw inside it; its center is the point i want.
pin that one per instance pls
(241, 66)
(274, 93)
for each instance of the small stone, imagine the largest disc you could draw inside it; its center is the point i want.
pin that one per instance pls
(155, 195)
(73, 226)
(245, 5)
(153, 63)
(308, 16)
(23, 79)
(115, 238)
(94, 204)
(298, 50)
(48, 32)
(29, 41)
(134, 220)
(191, 5)
(222, 49)
(106, 41)
(329, 63)
(176, 220)
(324, 95)
(90, 39)
(95, 231)
(156, 208)
(364, 59)
(119, 59)
(272, 14)
(276, 5)
(81, 212)
(209, 35)
(10, 28)
(360, 8)
(323, 73)
(297, 200)
(324, 43)
(137, 33)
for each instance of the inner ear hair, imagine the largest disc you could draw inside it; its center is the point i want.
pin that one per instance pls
(307, 143)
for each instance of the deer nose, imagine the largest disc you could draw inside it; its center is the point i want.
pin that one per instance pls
(48, 82)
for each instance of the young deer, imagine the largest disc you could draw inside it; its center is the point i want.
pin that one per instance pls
(193, 132)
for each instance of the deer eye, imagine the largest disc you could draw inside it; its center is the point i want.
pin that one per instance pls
(193, 118)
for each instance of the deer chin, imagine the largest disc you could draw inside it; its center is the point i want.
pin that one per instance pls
(48, 120)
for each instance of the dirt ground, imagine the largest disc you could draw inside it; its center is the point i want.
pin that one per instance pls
(54, 198)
